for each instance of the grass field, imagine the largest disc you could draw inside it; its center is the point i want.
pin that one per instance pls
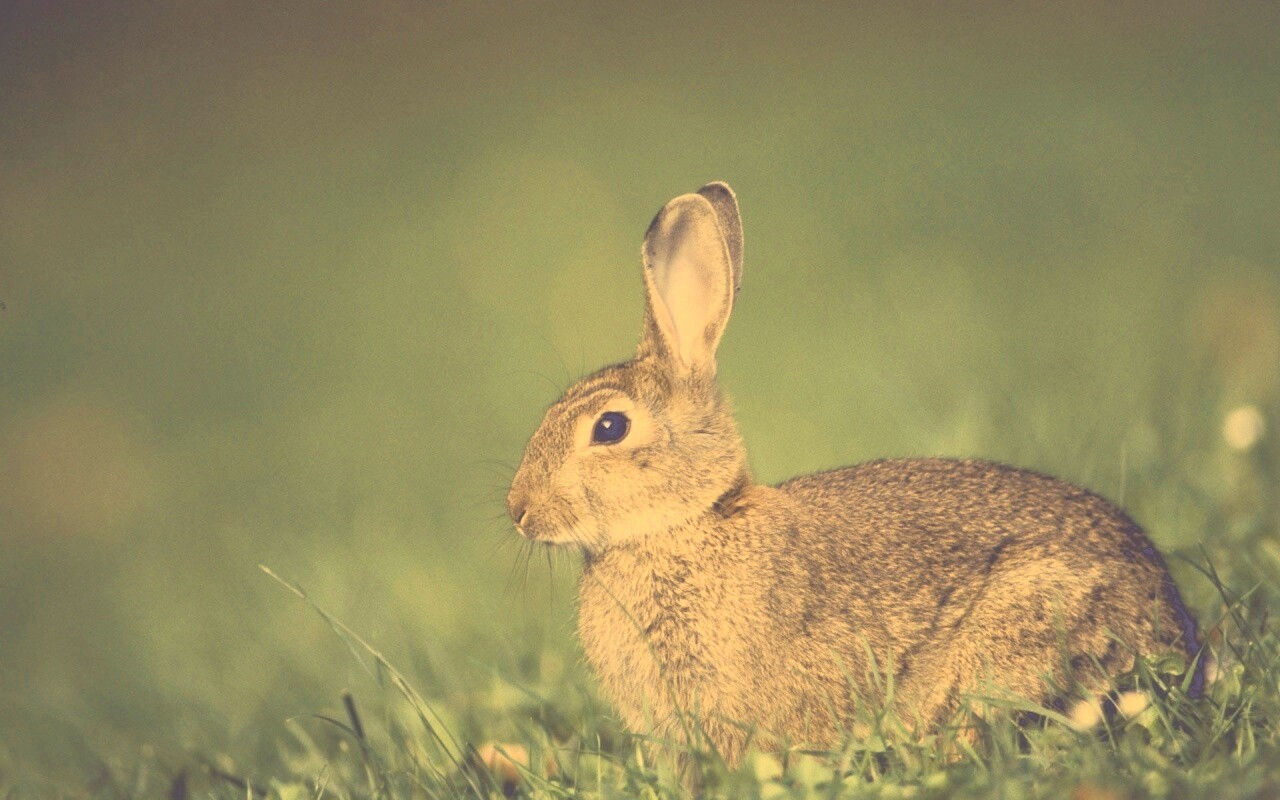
(290, 285)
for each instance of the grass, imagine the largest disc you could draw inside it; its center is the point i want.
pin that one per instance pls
(1226, 744)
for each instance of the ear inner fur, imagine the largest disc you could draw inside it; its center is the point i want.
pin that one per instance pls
(725, 203)
(688, 281)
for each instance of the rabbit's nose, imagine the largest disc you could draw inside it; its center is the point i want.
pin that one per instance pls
(518, 508)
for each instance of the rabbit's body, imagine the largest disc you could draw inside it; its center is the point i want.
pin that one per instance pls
(768, 610)
(710, 603)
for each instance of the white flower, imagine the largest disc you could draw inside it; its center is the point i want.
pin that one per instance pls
(1131, 704)
(1243, 427)
(1085, 714)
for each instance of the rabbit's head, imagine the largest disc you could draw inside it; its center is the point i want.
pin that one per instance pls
(643, 447)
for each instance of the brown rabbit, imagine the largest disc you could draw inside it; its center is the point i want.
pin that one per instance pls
(709, 599)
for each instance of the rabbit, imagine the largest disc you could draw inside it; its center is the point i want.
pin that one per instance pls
(716, 607)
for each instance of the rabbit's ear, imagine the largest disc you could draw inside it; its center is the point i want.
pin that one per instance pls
(725, 202)
(688, 276)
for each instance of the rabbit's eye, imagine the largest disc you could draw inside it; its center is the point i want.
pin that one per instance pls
(611, 427)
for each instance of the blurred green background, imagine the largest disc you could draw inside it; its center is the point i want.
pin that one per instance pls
(291, 284)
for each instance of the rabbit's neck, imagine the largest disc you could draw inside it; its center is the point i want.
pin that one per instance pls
(732, 501)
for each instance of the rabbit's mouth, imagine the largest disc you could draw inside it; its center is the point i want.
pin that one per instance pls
(552, 526)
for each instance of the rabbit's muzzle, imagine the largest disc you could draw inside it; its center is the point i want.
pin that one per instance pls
(535, 516)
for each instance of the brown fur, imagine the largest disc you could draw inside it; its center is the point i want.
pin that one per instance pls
(710, 603)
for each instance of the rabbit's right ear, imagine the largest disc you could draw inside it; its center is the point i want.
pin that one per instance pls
(725, 202)
(689, 280)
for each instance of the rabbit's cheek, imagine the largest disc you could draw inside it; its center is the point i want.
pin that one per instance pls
(567, 484)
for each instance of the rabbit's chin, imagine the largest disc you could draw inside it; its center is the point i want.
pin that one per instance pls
(567, 537)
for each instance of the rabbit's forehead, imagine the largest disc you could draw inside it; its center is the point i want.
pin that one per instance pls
(606, 397)
(617, 384)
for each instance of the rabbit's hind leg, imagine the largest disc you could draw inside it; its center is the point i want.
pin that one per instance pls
(1007, 648)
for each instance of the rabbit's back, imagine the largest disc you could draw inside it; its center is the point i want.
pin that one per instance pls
(978, 561)
(937, 518)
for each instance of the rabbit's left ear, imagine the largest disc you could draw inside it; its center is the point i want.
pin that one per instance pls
(689, 279)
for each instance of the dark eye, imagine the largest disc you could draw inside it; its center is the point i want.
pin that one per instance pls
(611, 427)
